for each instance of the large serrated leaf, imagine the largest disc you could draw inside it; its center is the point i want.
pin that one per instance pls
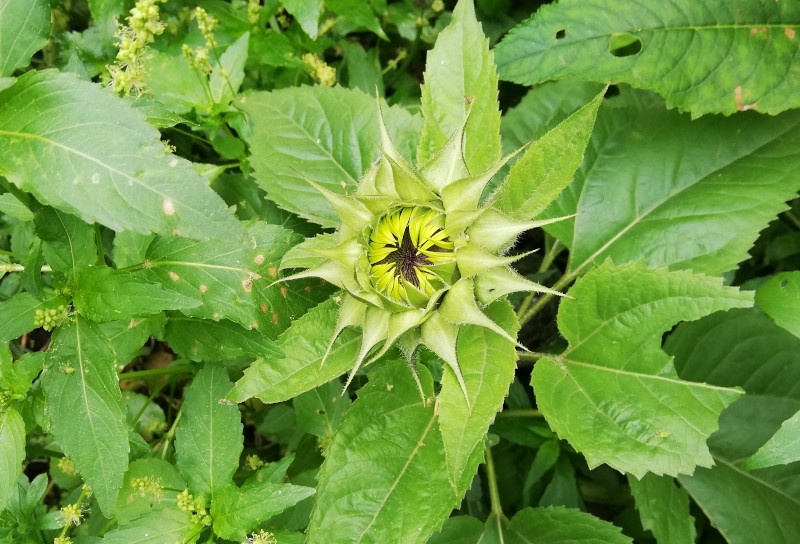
(234, 281)
(12, 452)
(460, 77)
(203, 340)
(386, 455)
(304, 344)
(779, 298)
(781, 449)
(160, 527)
(24, 29)
(704, 57)
(326, 134)
(68, 244)
(694, 195)
(664, 509)
(18, 312)
(97, 158)
(85, 406)
(543, 171)
(613, 393)
(728, 349)
(487, 362)
(208, 439)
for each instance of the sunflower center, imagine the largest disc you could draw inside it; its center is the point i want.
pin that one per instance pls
(404, 248)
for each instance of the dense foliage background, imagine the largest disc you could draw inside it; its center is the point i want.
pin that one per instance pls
(159, 385)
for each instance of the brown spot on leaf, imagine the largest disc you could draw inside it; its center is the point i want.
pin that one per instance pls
(259, 259)
(273, 271)
(790, 33)
(283, 291)
(275, 318)
(247, 285)
(203, 288)
(307, 288)
(740, 105)
(174, 276)
(263, 308)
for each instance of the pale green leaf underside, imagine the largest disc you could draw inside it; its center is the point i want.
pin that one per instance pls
(24, 29)
(12, 452)
(331, 132)
(97, 158)
(85, 406)
(460, 77)
(779, 298)
(208, 439)
(382, 479)
(613, 394)
(702, 209)
(716, 57)
(664, 509)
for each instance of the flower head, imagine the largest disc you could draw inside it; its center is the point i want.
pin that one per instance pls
(417, 254)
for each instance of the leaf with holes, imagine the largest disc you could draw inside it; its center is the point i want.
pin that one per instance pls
(612, 393)
(702, 57)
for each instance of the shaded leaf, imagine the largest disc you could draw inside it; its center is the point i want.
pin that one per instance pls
(68, 244)
(560, 526)
(779, 298)
(782, 448)
(24, 29)
(18, 312)
(460, 77)
(208, 439)
(116, 173)
(321, 410)
(704, 58)
(12, 452)
(85, 407)
(133, 503)
(202, 340)
(612, 393)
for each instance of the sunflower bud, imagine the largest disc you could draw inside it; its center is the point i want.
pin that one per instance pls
(417, 254)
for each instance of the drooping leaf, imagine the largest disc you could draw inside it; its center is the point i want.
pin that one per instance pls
(304, 344)
(543, 171)
(702, 209)
(326, 134)
(487, 362)
(779, 298)
(17, 313)
(664, 509)
(321, 410)
(24, 29)
(159, 527)
(234, 281)
(68, 244)
(208, 439)
(681, 49)
(85, 406)
(203, 340)
(92, 172)
(612, 393)
(387, 455)
(728, 349)
(237, 511)
(104, 294)
(12, 452)
(461, 60)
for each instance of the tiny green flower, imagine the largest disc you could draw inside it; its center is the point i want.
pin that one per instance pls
(71, 514)
(418, 254)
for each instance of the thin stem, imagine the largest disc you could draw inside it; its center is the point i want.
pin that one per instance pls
(12, 254)
(530, 412)
(190, 135)
(11, 267)
(491, 481)
(531, 355)
(793, 218)
(78, 503)
(565, 280)
(138, 374)
(98, 240)
(170, 434)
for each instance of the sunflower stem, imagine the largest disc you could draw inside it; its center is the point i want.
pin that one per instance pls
(491, 482)
(525, 314)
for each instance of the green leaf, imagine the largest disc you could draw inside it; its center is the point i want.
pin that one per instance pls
(321, 410)
(227, 76)
(130, 248)
(612, 393)
(208, 439)
(234, 281)
(18, 312)
(702, 209)
(680, 49)
(779, 298)
(782, 448)
(12, 452)
(156, 113)
(387, 455)
(160, 527)
(130, 335)
(726, 349)
(133, 503)
(460, 77)
(560, 526)
(117, 173)
(328, 133)
(304, 344)
(16, 376)
(543, 171)
(24, 29)
(104, 294)
(85, 407)
(664, 509)
(238, 511)
(487, 362)
(356, 14)
(11, 205)
(68, 244)
(307, 14)
(202, 340)
(459, 530)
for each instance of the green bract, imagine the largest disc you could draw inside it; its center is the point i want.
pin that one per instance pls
(417, 254)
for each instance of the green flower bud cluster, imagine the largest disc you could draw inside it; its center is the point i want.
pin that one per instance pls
(148, 486)
(66, 466)
(253, 11)
(262, 537)
(72, 514)
(144, 24)
(50, 318)
(253, 462)
(199, 57)
(417, 254)
(195, 505)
